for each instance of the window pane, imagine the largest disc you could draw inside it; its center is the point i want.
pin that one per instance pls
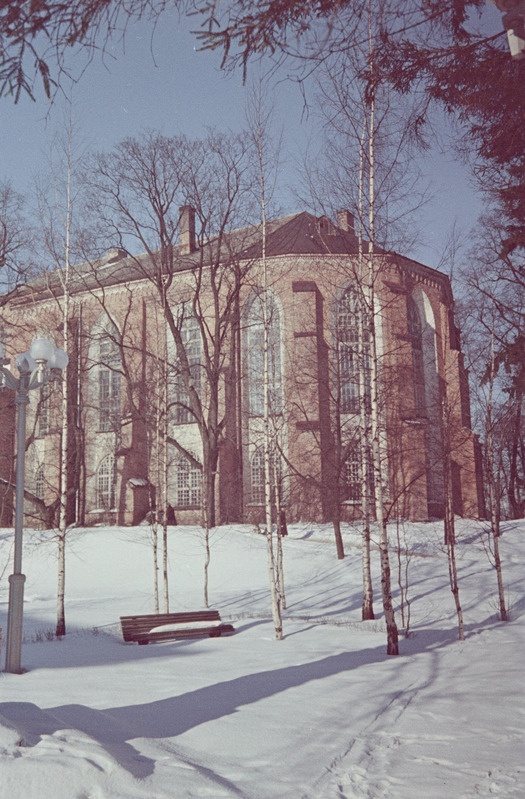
(354, 360)
(191, 337)
(257, 477)
(415, 332)
(109, 385)
(42, 425)
(188, 484)
(106, 483)
(40, 485)
(255, 357)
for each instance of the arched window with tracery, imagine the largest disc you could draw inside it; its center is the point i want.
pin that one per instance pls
(415, 333)
(106, 483)
(255, 355)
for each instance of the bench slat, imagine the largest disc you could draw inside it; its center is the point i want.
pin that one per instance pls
(138, 628)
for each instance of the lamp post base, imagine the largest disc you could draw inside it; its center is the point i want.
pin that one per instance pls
(14, 624)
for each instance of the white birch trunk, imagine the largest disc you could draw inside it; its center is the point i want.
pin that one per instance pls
(280, 561)
(165, 464)
(494, 501)
(62, 523)
(367, 610)
(155, 519)
(155, 552)
(392, 633)
(450, 532)
(273, 571)
(207, 558)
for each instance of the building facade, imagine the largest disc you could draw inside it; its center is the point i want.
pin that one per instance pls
(166, 383)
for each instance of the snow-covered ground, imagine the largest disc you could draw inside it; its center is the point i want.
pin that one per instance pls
(323, 714)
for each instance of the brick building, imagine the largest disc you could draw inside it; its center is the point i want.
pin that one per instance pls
(134, 441)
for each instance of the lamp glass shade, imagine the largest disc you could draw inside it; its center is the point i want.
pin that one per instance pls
(25, 362)
(59, 359)
(42, 349)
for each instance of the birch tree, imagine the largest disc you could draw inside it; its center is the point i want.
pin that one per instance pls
(259, 118)
(494, 495)
(366, 167)
(56, 212)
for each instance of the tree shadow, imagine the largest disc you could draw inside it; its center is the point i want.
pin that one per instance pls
(114, 728)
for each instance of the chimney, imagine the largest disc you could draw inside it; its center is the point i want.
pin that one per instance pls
(187, 229)
(345, 221)
(113, 255)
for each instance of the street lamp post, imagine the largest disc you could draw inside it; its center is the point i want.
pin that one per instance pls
(43, 362)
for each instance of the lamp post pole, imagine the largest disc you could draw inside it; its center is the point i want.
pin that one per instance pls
(43, 362)
(17, 579)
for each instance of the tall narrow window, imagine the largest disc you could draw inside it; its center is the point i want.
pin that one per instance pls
(109, 378)
(188, 484)
(354, 371)
(353, 478)
(415, 333)
(257, 477)
(352, 482)
(106, 483)
(255, 356)
(191, 338)
(42, 414)
(40, 483)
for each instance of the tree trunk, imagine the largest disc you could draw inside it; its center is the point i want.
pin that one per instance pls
(365, 447)
(165, 465)
(450, 532)
(514, 493)
(392, 633)
(207, 560)
(155, 551)
(494, 500)
(62, 524)
(270, 451)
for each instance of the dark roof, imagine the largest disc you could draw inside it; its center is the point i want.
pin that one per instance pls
(304, 234)
(298, 234)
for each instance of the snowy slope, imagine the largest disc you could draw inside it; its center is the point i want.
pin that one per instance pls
(324, 713)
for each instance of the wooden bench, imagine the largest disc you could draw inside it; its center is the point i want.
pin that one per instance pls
(194, 624)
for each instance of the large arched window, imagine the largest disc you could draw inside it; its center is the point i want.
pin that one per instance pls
(415, 332)
(353, 352)
(106, 483)
(192, 343)
(255, 355)
(188, 482)
(109, 380)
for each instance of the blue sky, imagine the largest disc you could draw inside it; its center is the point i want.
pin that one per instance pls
(161, 81)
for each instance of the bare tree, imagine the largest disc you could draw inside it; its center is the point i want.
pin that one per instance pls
(139, 190)
(16, 241)
(57, 195)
